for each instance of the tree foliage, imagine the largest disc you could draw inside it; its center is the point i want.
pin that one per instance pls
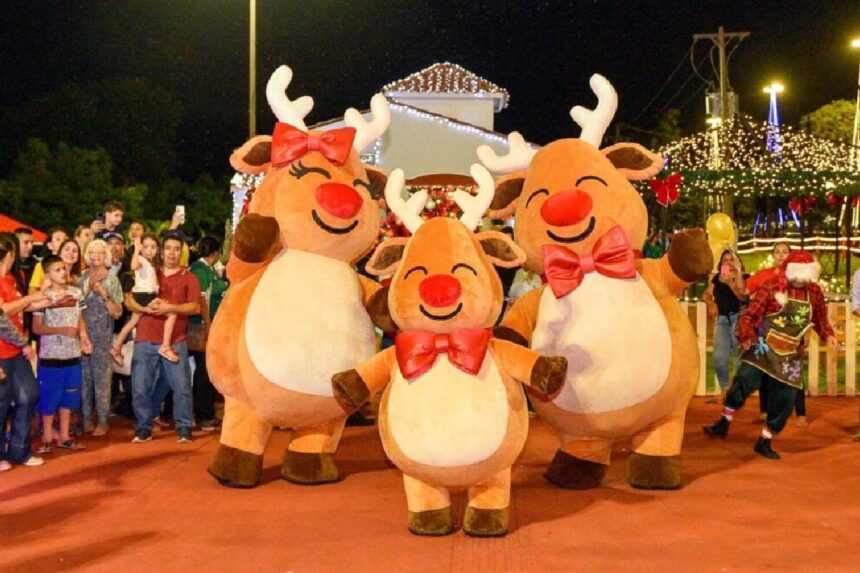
(832, 121)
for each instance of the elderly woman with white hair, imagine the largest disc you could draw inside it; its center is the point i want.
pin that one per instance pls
(103, 295)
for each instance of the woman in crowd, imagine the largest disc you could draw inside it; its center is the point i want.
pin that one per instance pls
(724, 297)
(103, 296)
(70, 252)
(20, 386)
(212, 286)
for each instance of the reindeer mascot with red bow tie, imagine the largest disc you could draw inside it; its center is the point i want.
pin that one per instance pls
(454, 413)
(631, 350)
(296, 311)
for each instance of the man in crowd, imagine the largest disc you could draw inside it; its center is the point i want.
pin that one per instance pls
(55, 240)
(179, 293)
(116, 244)
(109, 220)
(26, 260)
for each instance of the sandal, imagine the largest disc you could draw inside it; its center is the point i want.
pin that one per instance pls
(71, 445)
(45, 448)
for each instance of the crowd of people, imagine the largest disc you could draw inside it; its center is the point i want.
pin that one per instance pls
(119, 322)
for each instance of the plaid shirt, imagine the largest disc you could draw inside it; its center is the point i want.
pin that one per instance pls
(764, 302)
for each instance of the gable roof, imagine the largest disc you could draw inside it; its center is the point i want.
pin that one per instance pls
(448, 78)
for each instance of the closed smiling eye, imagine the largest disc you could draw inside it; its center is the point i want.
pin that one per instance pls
(414, 269)
(463, 266)
(535, 194)
(299, 170)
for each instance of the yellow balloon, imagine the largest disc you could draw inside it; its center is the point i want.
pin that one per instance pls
(721, 235)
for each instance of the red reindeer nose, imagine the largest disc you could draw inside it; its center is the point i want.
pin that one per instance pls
(439, 290)
(339, 200)
(566, 208)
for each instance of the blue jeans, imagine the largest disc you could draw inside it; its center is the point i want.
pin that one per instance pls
(725, 347)
(146, 366)
(19, 387)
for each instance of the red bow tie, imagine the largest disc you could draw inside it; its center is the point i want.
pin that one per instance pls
(417, 350)
(289, 144)
(611, 256)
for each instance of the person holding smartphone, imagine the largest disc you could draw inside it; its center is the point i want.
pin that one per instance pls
(724, 296)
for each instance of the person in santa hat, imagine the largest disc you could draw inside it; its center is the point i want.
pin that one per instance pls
(771, 331)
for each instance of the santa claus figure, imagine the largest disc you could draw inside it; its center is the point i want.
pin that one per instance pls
(771, 332)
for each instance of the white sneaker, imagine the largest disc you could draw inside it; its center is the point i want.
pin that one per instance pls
(33, 461)
(5, 466)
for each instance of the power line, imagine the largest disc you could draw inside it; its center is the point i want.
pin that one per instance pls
(666, 83)
(680, 89)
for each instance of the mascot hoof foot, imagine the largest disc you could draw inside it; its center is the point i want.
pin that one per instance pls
(654, 472)
(571, 472)
(236, 468)
(485, 522)
(431, 522)
(309, 468)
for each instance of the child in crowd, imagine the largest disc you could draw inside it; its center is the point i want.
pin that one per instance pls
(63, 336)
(144, 262)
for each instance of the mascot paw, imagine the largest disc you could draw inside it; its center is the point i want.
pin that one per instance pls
(431, 522)
(570, 472)
(306, 468)
(485, 522)
(654, 472)
(256, 237)
(349, 389)
(377, 308)
(548, 374)
(236, 468)
(690, 256)
(511, 335)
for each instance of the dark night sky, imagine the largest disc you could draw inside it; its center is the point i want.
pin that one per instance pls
(342, 52)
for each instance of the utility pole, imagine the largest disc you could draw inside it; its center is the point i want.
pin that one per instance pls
(252, 69)
(727, 108)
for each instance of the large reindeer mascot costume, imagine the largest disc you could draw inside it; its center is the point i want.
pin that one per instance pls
(633, 361)
(296, 310)
(454, 414)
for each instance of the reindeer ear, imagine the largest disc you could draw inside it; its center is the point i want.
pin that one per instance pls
(508, 189)
(386, 257)
(254, 156)
(501, 249)
(377, 179)
(634, 161)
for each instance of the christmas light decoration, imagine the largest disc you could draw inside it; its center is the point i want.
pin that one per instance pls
(448, 78)
(806, 165)
(439, 204)
(242, 186)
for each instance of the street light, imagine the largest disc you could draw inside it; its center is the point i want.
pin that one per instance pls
(855, 139)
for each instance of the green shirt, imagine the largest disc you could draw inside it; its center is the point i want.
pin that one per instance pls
(212, 286)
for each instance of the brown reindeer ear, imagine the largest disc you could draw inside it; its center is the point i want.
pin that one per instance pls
(386, 257)
(254, 156)
(501, 249)
(508, 189)
(378, 179)
(634, 161)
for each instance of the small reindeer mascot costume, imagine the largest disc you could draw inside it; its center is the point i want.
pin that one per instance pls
(771, 332)
(454, 414)
(632, 353)
(296, 310)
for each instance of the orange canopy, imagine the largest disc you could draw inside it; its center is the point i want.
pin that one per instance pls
(8, 224)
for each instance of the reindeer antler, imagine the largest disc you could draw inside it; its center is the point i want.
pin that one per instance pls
(594, 122)
(409, 211)
(474, 206)
(519, 155)
(366, 132)
(291, 112)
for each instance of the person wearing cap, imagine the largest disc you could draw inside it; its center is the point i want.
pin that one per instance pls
(771, 331)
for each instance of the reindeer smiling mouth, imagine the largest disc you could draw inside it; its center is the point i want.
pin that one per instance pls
(576, 238)
(329, 228)
(455, 312)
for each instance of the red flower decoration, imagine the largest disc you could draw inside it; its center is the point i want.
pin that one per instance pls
(666, 190)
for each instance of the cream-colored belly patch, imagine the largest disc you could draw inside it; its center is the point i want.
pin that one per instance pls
(306, 322)
(446, 417)
(616, 340)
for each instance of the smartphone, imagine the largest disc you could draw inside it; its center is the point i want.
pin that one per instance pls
(725, 270)
(181, 210)
(100, 217)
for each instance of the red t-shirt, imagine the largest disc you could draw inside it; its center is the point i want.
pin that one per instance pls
(179, 288)
(8, 293)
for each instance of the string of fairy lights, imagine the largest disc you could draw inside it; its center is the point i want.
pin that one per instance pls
(449, 78)
(733, 157)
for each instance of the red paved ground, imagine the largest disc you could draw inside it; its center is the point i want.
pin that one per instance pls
(151, 507)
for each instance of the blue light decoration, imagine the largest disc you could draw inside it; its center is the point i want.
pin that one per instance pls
(774, 137)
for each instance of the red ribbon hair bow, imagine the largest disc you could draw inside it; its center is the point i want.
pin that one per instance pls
(290, 143)
(611, 256)
(416, 350)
